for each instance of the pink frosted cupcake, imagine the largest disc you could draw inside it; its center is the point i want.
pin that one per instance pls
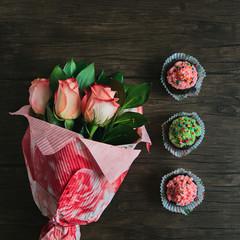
(181, 191)
(182, 77)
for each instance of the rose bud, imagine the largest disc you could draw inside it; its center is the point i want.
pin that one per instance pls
(40, 93)
(99, 104)
(67, 99)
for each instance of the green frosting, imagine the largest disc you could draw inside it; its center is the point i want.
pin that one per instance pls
(183, 132)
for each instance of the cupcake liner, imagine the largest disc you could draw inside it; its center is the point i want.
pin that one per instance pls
(186, 210)
(179, 57)
(168, 145)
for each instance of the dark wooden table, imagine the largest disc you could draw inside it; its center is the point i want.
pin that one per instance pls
(134, 37)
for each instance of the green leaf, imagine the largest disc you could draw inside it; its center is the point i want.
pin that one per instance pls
(86, 77)
(187, 211)
(45, 117)
(70, 68)
(87, 127)
(80, 66)
(117, 86)
(121, 135)
(119, 77)
(137, 95)
(51, 118)
(69, 124)
(126, 86)
(132, 119)
(57, 117)
(93, 130)
(57, 74)
(83, 131)
(103, 79)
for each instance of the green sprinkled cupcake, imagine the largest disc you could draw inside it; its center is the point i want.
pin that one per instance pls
(184, 132)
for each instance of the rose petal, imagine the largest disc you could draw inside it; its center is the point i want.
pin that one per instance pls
(102, 92)
(60, 100)
(40, 93)
(85, 99)
(67, 99)
(72, 83)
(136, 110)
(72, 102)
(99, 104)
(89, 114)
(103, 110)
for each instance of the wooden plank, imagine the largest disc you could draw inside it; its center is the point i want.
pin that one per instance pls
(134, 37)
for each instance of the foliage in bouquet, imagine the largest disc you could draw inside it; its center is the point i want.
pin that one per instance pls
(103, 109)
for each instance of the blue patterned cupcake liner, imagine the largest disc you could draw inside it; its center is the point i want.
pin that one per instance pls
(186, 210)
(179, 57)
(169, 146)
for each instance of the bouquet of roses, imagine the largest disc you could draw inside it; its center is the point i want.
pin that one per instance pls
(75, 174)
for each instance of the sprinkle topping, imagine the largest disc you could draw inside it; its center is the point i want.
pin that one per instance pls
(182, 190)
(182, 75)
(183, 131)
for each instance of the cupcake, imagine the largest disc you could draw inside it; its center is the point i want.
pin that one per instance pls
(182, 76)
(181, 191)
(182, 133)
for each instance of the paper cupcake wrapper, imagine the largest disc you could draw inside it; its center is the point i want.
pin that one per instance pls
(168, 145)
(170, 62)
(186, 210)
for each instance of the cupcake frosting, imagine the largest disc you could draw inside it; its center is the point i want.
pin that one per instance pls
(182, 75)
(183, 132)
(181, 190)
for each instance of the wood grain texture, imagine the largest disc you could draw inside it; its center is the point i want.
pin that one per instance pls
(134, 37)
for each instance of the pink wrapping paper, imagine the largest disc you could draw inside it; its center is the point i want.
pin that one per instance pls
(72, 179)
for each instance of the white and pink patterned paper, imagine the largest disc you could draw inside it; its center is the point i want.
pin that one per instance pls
(73, 179)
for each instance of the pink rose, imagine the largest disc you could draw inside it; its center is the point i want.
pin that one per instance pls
(40, 93)
(99, 104)
(67, 99)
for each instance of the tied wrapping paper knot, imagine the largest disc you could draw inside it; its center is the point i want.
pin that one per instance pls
(72, 179)
(53, 232)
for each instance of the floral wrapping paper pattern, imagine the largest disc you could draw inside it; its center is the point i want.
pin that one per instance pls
(72, 179)
(186, 210)
(166, 142)
(180, 57)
